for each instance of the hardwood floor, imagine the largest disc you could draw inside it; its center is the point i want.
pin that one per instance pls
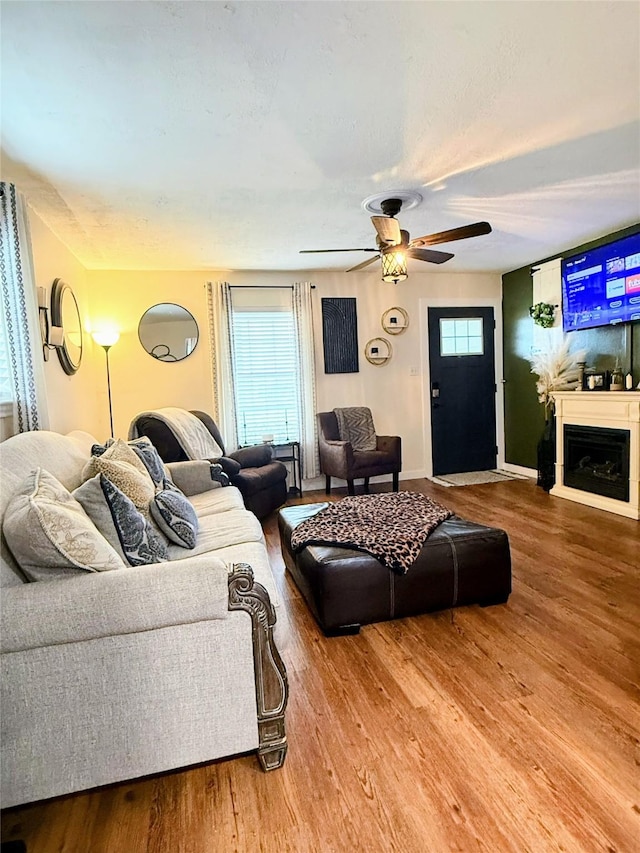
(510, 728)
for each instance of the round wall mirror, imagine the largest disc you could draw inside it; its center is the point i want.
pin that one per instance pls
(65, 313)
(168, 332)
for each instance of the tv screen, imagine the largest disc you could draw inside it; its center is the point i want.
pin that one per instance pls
(602, 286)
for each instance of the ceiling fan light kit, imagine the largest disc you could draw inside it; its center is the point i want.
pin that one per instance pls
(394, 267)
(394, 244)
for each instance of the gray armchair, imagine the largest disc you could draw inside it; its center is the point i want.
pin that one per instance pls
(339, 459)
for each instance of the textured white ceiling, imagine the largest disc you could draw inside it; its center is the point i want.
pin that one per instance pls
(230, 135)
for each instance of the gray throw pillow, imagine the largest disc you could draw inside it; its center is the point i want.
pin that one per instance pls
(120, 522)
(49, 534)
(175, 515)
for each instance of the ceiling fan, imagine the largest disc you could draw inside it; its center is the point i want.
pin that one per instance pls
(394, 245)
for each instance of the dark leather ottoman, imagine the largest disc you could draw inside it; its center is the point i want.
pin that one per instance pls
(461, 562)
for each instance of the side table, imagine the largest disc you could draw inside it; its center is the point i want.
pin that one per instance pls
(289, 451)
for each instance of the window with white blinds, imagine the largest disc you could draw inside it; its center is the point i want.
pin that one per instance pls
(265, 373)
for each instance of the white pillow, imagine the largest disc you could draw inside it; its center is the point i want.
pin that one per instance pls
(49, 533)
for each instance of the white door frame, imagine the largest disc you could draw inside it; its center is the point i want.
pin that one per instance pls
(460, 302)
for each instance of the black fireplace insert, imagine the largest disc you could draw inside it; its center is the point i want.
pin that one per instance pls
(596, 459)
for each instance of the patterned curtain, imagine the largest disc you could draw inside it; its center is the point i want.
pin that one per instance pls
(20, 318)
(220, 341)
(307, 393)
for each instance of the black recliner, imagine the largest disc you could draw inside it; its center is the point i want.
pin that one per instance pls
(261, 480)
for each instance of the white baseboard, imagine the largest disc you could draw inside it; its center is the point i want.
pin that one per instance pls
(319, 483)
(520, 469)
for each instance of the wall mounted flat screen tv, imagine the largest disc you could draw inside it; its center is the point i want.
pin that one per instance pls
(602, 286)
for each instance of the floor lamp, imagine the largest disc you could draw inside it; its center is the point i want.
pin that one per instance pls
(106, 339)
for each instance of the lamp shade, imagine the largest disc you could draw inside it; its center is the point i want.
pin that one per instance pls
(106, 337)
(394, 266)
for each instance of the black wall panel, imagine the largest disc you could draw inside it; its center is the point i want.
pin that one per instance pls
(340, 335)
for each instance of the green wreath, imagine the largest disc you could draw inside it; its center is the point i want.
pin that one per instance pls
(542, 314)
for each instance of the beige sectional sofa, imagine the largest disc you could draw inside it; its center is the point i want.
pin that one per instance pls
(112, 675)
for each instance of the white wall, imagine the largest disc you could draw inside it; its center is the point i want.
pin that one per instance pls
(74, 401)
(394, 392)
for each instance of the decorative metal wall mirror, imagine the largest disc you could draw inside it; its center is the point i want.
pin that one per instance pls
(168, 332)
(395, 321)
(65, 313)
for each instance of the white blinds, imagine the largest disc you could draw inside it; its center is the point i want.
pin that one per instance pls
(265, 373)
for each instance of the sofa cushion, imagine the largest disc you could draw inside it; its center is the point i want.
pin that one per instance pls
(216, 500)
(175, 516)
(221, 529)
(125, 470)
(120, 522)
(372, 458)
(50, 534)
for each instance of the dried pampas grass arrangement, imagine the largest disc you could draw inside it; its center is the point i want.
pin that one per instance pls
(557, 369)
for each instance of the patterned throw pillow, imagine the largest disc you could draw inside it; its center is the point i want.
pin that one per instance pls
(125, 469)
(122, 525)
(150, 458)
(175, 516)
(49, 533)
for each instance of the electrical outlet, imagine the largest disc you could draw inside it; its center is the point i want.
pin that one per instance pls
(414, 371)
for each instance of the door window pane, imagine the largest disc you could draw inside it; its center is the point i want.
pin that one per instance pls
(448, 346)
(447, 328)
(461, 336)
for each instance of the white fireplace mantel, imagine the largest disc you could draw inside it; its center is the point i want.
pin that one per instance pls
(613, 409)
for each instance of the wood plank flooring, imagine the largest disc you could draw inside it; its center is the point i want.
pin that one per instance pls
(510, 728)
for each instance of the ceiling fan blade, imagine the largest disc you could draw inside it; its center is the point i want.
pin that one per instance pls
(388, 230)
(363, 264)
(474, 230)
(315, 251)
(429, 255)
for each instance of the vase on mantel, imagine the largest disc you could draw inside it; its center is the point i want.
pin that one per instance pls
(547, 453)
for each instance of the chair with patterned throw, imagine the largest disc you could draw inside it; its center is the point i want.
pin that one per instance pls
(351, 450)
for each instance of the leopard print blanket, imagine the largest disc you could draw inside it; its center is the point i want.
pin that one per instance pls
(392, 527)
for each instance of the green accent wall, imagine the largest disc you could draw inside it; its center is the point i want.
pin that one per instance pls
(523, 414)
